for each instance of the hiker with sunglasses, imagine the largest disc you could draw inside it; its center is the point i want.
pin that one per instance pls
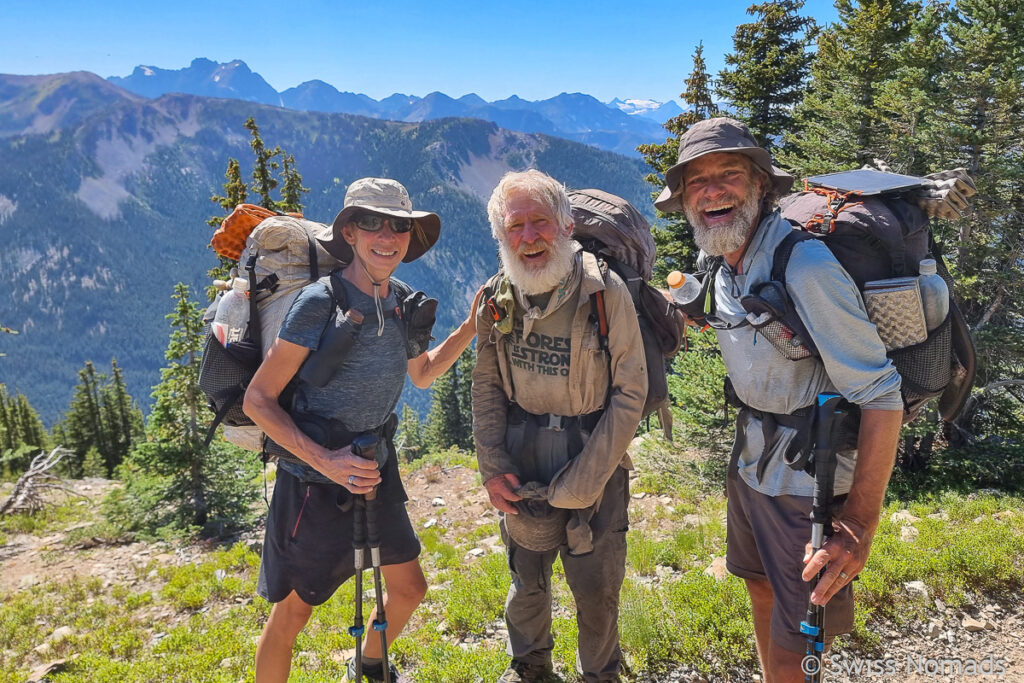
(308, 549)
(726, 185)
(554, 409)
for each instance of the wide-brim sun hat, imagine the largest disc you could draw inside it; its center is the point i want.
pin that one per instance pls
(389, 198)
(711, 136)
(538, 527)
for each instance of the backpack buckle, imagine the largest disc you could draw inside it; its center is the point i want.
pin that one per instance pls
(554, 423)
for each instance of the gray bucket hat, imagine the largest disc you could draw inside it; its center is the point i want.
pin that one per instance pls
(390, 198)
(538, 526)
(717, 135)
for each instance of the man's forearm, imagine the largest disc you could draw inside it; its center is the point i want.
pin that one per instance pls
(876, 453)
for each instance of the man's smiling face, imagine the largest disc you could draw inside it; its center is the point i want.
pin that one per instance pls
(721, 198)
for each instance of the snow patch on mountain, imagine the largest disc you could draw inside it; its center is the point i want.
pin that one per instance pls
(7, 208)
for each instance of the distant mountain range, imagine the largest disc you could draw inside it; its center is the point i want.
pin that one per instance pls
(104, 194)
(618, 126)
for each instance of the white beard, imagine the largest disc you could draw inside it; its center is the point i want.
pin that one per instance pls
(727, 238)
(531, 281)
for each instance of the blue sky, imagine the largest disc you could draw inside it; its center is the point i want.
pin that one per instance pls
(531, 48)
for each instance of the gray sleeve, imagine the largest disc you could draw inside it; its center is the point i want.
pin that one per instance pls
(307, 317)
(829, 304)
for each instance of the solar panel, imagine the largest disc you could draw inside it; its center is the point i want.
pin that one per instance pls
(866, 181)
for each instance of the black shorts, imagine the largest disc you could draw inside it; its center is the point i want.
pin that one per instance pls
(308, 542)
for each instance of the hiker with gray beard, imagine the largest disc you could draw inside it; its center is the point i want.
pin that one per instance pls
(553, 413)
(726, 185)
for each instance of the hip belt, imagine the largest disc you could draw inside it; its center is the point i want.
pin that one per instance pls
(329, 433)
(518, 415)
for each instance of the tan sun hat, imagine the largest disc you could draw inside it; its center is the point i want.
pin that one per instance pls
(717, 135)
(538, 526)
(390, 198)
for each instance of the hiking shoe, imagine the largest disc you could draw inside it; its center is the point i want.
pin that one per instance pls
(372, 672)
(524, 672)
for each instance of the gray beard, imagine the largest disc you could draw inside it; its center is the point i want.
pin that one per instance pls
(724, 239)
(530, 281)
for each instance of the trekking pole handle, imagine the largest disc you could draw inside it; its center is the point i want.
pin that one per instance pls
(827, 408)
(365, 446)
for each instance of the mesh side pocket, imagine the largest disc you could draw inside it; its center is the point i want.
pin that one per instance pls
(780, 336)
(926, 368)
(224, 374)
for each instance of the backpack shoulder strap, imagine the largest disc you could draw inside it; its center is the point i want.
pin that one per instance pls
(783, 252)
(255, 331)
(598, 314)
(402, 290)
(337, 290)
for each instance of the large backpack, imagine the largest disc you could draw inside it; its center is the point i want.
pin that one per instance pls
(613, 230)
(281, 256)
(875, 236)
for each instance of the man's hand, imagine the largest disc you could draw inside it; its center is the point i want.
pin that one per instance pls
(843, 555)
(502, 492)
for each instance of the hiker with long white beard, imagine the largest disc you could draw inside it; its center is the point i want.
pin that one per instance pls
(553, 413)
(343, 351)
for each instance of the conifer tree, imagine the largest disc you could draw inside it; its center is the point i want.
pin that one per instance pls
(235, 192)
(263, 181)
(674, 240)
(839, 122)
(22, 433)
(909, 101)
(172, 480)
(122, 421)
(409, 437)
(768, 68)
(983, 120)
(83, 422)
(291, 189)
(450, 422)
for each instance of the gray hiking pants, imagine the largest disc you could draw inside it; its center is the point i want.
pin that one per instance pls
(594, 579)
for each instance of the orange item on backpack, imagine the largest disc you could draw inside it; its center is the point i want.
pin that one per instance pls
(229, 238)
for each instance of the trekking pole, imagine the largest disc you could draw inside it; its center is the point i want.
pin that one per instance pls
(358, 547)
(365, 446)
(824, 462)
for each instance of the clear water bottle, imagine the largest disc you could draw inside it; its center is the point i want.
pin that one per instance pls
(232, 314)
(685, 288)
(934, 294)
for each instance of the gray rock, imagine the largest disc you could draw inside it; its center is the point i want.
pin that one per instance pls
(60, 633)
(717, 569)
(972, 625)
(903, 517)
(916, 589)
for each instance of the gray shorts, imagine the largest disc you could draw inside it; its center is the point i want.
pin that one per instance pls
(766, 536)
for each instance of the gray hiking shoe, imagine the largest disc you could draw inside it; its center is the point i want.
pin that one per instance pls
(524, 672)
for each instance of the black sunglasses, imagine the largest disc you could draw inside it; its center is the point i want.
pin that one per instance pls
(372, 222)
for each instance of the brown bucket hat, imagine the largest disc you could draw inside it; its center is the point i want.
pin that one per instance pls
(538, 526)
(389, 198)
(717, 135)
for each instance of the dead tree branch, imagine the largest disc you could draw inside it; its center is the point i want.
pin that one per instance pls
(28, 490)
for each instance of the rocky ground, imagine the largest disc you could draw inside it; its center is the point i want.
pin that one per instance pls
(983, 639)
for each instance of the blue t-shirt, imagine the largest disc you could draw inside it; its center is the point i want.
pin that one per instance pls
(366, 384)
